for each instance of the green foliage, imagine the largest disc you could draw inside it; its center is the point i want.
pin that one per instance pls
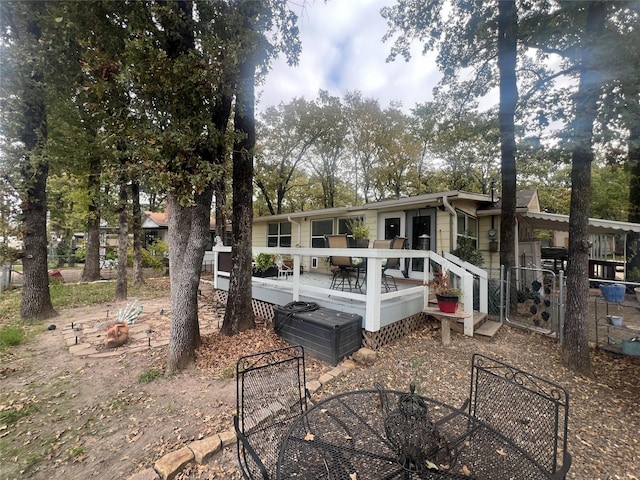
(468, 252)
(7, 254)
(358, 228)
(152, 257)
(149, 375)
(264, 261)
(633, 275)
(15, 413)
(81, 254)
(11, 335)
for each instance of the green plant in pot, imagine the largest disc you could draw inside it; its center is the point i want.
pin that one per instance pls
(360, 232)
(447, 294)
(263, 261)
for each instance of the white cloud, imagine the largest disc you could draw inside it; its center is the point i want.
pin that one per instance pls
(342, 50)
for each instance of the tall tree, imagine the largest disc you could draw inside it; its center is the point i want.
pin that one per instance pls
(507, 56)
(266, 28)
(471, 33)
(288, 132)
(25, 53)
(575, 352)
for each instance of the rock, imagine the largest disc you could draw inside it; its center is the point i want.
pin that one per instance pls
(172, 463)
(148, 474)
(205, 448)
(365, 356)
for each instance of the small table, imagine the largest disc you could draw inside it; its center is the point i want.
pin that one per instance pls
(355, 436)
(445, 318)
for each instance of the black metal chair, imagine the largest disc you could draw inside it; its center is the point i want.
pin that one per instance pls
(389, 281)
(342, 267)
(529, 410)
(271, 394)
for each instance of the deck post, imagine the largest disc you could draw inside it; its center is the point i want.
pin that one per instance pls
(374, 287)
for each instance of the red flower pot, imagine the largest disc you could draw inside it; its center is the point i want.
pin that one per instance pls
(447, 304)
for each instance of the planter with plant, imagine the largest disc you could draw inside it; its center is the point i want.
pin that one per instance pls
(360, 232)
(265, 265)
(446, 294)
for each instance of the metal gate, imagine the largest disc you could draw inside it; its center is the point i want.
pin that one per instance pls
(539, 302)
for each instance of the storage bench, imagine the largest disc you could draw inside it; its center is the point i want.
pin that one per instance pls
(325, 334)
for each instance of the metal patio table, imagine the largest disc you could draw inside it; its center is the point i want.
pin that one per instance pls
(382, 434)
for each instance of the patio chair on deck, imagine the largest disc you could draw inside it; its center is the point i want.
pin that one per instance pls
(531, 411)
(271, 394)
(342, 267)
(385, 282)
(389, 281)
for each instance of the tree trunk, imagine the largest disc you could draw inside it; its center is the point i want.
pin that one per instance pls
(36, 299)
(123, 237)
(91, 270)
(188, 238)
(507, 49)
(239, 312)
(633, 239)
(575, 351)
(136, 226)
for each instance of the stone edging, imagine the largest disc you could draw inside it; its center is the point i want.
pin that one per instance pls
(201, 451)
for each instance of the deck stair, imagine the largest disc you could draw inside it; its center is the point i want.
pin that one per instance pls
(482, 326)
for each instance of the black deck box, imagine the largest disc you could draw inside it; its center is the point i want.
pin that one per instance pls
(325, 334)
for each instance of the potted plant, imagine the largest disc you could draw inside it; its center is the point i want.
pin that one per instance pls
(446, 294)
(359, 232)
(265, 265)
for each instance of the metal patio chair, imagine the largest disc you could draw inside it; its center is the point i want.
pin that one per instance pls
(271, 394)
(529, 410)
(389, 281)
(342, 267)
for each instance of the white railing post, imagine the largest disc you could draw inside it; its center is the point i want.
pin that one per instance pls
(374, 288)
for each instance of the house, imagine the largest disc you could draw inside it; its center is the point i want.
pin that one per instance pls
(155, 226)
(437, 221)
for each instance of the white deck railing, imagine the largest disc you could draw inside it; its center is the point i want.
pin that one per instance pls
(373, 296)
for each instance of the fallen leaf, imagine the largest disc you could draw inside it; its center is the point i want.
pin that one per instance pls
(466, 471)
(309, 436)
(501, 452)
(353, 476)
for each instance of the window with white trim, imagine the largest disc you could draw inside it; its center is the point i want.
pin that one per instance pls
(279, 234)
(468, 227)
(320, 228)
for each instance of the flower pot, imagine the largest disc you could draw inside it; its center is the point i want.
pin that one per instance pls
(615, 320)
(613, 292)
(447, 304)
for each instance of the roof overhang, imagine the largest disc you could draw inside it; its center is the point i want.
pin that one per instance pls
(552, 221)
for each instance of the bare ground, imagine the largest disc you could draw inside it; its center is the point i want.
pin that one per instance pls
(64, 416)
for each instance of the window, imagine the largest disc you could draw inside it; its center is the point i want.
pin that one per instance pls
(320, 228)
(344, 224)
(468, 228)
(391, 227)
(279, 234)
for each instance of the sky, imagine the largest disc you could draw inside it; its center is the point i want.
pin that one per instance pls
(342, 50)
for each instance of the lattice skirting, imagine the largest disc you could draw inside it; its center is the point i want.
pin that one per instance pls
(390, 333)
(263, 311)
(374, 340)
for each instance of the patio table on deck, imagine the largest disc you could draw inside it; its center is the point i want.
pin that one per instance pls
(362, 435)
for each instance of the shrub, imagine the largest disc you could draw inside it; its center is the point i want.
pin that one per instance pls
(11, 335)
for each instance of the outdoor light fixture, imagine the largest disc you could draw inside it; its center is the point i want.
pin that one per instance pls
(149, 332)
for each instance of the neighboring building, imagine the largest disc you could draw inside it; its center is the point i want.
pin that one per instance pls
(155, 226)
(437, 221)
